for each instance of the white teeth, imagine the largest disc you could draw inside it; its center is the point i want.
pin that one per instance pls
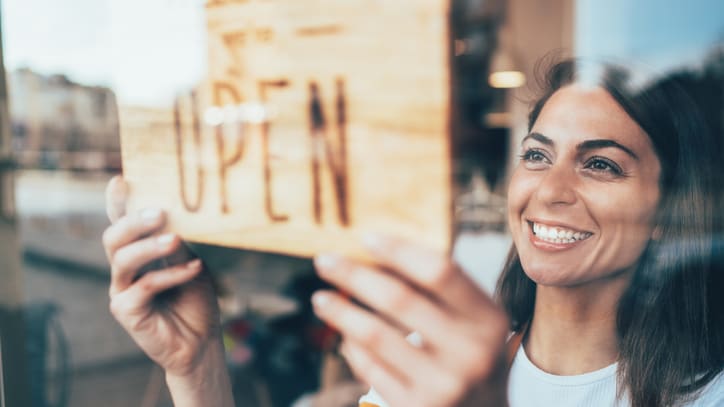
(556, 235)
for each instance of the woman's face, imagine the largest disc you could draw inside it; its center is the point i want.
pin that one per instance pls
(581, 201)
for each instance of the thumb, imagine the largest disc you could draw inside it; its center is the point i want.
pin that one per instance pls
(116, 198)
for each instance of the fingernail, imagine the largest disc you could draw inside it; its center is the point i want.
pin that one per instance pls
(165, 240)
(194, 264)
(150, 215)
(320, 300)
(327, 260)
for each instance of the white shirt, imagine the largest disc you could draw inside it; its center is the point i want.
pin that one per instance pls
(529, 386)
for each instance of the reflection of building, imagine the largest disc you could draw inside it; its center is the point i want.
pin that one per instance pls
(61, 124)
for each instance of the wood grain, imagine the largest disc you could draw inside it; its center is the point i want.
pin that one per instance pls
(356, 136)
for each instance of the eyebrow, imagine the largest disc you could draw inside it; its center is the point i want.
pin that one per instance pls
(586, 145)
(539, 138)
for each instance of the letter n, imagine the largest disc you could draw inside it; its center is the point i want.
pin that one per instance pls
(336, 155)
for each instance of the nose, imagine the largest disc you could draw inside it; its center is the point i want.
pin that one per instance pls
(558, 186)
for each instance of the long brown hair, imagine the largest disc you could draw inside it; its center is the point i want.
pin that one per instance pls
(670, 320)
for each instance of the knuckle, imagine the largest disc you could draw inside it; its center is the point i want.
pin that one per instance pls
(371, 335)
(121, 258)
(443, 272)
(147, 283)
(123, 224)
(116, 307)
(107, 237)
(397, 298)
(134, 255)
(135, 324)
(115, 271)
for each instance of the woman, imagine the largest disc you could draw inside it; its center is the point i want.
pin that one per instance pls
(610, 287)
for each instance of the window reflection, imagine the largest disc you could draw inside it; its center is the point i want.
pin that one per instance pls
(72, 73)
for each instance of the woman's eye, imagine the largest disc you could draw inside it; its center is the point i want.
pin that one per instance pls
(533, 155)
(534, 159)
(600, 164)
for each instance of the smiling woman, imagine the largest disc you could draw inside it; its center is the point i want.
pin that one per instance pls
(629, 173)
(581, 164)
(611, 285)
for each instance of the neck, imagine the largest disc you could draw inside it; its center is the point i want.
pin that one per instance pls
(573, 330)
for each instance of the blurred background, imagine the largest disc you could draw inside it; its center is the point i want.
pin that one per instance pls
(65, 67)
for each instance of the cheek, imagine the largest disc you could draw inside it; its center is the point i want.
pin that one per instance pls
(636, 230)
(626, 224)
(630, 211)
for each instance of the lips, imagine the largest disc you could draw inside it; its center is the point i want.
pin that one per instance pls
(557, 234)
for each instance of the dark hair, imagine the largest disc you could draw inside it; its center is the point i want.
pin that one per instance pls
(670, 320)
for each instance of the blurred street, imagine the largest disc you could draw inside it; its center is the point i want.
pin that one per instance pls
(61, 218)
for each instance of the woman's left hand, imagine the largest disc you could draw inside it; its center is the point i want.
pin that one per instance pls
(461, 361)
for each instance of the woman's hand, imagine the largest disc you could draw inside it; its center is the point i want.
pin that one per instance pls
(169, 308)
(461, 361)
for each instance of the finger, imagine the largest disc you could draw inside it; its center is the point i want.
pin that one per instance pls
(116, 198)
(136, 299)
(129, 260)
(389, 295)
(131, 228)
(388, 345)
(373, 373)
(433, 388)
(406, 306)
(431, 271)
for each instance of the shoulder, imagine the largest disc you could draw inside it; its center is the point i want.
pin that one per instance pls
(711, 395)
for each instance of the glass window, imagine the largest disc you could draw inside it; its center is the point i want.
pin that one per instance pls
(271, 130)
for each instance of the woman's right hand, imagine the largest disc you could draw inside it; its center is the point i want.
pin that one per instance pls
(170, 310)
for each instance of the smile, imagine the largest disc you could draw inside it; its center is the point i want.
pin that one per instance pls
(557, 234)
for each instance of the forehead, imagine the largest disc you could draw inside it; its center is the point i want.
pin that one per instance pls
(576, 113)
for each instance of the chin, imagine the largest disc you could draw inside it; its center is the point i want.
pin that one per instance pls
(549, 275)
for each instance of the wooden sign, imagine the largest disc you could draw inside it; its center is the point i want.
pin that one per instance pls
(319, 120)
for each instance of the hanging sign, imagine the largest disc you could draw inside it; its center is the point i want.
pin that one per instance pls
(317, 120)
